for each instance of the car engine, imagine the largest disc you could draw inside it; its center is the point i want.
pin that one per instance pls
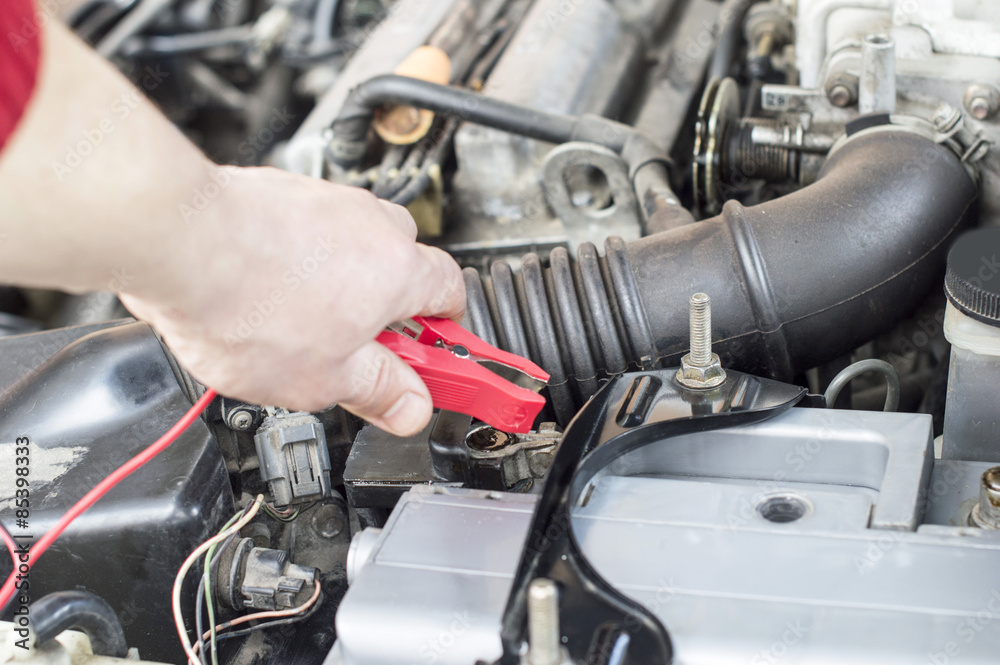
(753, 245)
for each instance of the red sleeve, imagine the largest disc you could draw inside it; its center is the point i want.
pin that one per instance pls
(19, 55)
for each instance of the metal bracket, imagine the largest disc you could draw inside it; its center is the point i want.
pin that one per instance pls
(583, 223)
(599, 624)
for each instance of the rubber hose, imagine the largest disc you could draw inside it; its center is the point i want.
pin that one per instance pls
(83, 611)
(794, 282)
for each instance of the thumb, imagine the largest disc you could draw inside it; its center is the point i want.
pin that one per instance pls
(385, 391)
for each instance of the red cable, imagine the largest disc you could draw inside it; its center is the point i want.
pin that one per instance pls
(103, 487)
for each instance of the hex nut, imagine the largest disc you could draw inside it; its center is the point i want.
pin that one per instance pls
(699, 377)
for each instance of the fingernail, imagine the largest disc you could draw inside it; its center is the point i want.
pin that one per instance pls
(408, 415)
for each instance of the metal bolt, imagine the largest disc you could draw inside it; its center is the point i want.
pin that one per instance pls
(328, 521)
(946, 117)
(986, 514)
(981, 100)
(240, 419)
(701, 329)
(701, 368)
(544, 637)
(840, 95)
(979, 108)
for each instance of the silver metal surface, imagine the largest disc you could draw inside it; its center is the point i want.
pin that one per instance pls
(543, 623)
(960, 27)
(811, 38)
(700, 368)
(981, 100)
(575, 58)
(877, 83)
(360, 552)
(700, 325)
(240, 419)
(680, 529)
(986, 513)
(613, 212)
(946, 51)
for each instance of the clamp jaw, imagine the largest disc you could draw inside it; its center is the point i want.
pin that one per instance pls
(465, 374)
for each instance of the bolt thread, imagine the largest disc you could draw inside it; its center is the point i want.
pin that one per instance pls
(543, 623)
(701, 330)
(991, 161)
(747, 160)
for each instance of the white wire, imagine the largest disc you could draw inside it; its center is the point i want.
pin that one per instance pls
(182, 573)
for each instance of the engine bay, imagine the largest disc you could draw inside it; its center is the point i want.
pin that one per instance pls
(751, 246)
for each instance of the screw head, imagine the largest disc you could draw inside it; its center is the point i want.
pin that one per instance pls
(328, 521)
(945, 117)
(240, 420)
(982, 101)
(840, 96)
(979, 108)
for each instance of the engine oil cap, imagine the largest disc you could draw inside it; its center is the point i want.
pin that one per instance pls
(972, 282)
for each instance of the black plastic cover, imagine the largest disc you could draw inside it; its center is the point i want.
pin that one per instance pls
(87, 409)
(972, 282)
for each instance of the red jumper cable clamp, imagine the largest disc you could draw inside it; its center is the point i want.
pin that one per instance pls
(465, 374)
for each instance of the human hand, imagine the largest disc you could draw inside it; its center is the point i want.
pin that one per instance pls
(275, 294)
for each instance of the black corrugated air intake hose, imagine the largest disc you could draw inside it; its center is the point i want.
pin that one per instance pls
(794, 282)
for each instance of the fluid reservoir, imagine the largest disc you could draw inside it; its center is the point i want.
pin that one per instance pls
(972, 325)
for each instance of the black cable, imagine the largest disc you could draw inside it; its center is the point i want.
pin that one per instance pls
(350, 128)
(647, 163)
(393, 159)
(192, 42)
(271, 624)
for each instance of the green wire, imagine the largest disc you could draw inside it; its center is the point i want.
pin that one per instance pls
(208, 571)
(208, 588)
(278, 516)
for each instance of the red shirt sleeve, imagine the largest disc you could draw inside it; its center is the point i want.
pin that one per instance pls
(19, 57)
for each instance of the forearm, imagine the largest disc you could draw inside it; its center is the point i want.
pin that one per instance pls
(93, 180)
(268, 286)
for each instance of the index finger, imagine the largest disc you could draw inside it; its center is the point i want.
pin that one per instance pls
(443, 294)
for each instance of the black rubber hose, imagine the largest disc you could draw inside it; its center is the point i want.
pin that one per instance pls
(731, 15)
(83, 611)
(794, 282)
(350, 129)
(648, 164)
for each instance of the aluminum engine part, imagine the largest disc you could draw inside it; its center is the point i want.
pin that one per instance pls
(577, 60)
(818, 536)
(942, 51)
